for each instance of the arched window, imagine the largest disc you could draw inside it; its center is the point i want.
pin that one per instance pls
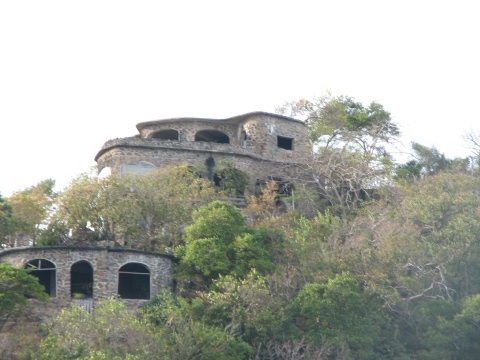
(166, 135)
(46, 273)
(134, 281)
(212, 136)
(81, 280)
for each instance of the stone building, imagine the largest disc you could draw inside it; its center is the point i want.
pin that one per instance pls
(89, 274)
(260, 144)
(264, 146)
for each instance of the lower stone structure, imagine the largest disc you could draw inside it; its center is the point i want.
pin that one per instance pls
(95, 273)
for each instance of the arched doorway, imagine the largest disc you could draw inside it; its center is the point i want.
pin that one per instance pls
(46, 273)
(81, 280)
(134, 281)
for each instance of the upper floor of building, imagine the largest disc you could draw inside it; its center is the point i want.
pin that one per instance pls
(258, 134)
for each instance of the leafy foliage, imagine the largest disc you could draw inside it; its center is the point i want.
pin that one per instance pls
(162, 331)
(230, 179)
(336, 312)
(220, 243)
(111, 332)
(6, 225)
(138, 211)
(242, 305)
(351, 143)
(15, 285)
(429, 161)
(384, 267)
(27, 212)
(341, 119)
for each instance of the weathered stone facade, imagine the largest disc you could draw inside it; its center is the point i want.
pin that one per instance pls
(260, 144)
(101, 268)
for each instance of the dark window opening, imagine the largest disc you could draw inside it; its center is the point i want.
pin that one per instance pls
(217, 180)
(46, 274)
(134, 281)
(166, 135)
(212, 136)
(285, 143)
(81, 280)
(286, 189)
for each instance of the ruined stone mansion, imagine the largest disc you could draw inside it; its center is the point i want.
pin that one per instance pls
(262, 145)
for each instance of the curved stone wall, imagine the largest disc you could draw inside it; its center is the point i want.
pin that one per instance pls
(253, 147)
(105, 264)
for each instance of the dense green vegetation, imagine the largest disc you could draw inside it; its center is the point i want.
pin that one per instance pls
(385, 268)
(15, 286)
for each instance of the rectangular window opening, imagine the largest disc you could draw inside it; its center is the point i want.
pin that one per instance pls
(285, 142)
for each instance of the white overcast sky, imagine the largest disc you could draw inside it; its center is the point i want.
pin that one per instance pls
(74, 74)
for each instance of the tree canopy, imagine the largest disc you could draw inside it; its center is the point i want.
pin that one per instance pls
(138, 211)
(15, 285)
(351, 147)
(385, 267)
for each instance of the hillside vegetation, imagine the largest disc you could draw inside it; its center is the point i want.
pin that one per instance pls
(383, 265)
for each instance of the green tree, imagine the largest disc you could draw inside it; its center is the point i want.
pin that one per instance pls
(443, 214)
(430, 333)
(230, 179)
(15, 286)
(417, 251)
(180, 335)
(412, 169)
(429, 161)
(6, 225)
(32, 208)
(451, 330)
(79, 213)
(220, 243)
(351, 144)
(145, 211)
(244, 306)
(341, 120)
(163, 329)
(217, 219)
(311, 250)
(465, 330)
(336, 313)
(111, 332)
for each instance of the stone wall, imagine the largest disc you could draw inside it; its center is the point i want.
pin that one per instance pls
(104, 262)
(169, 154)
(253, 146)
(255, 133)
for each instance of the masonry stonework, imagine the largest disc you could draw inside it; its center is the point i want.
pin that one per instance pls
(105, 263)
(260, 144)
